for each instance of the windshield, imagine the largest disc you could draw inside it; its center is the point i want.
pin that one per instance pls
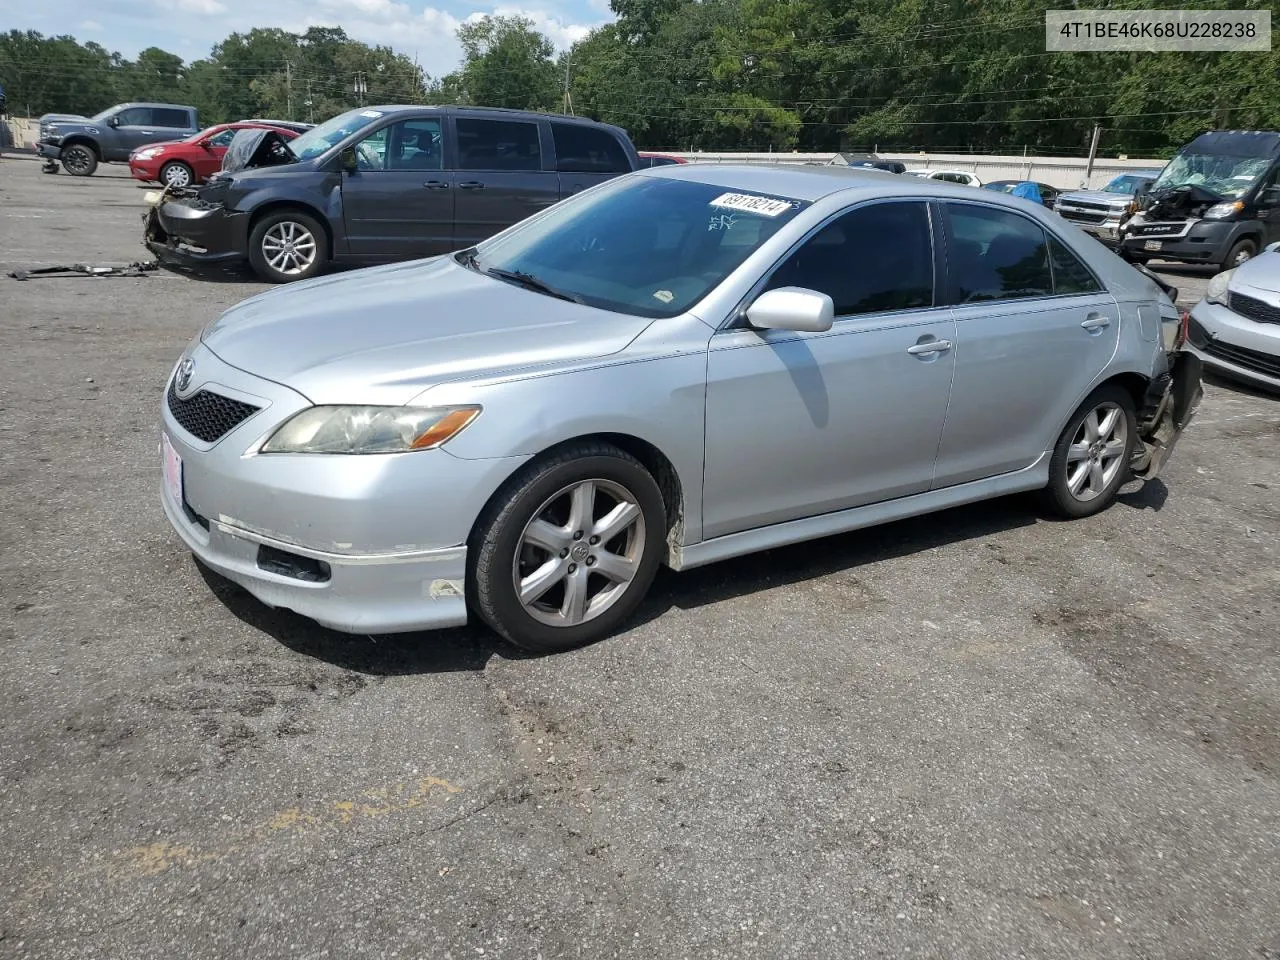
(641, 245)
(1230, 177)
(1125, 183)
(319, 139)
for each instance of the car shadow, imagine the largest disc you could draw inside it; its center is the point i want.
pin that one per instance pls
(1148, 495)
(235, 272)
(1226, 382)
(470, 648)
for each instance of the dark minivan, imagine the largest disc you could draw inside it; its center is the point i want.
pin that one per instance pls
(380, 184)
(1216, 202)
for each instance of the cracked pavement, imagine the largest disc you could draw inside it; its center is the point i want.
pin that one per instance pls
(976, 734)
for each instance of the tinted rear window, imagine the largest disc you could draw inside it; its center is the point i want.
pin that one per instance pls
(581, 149)
(168, 117)
(995, 255)
(498, 145)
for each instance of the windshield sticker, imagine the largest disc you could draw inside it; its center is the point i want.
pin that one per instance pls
(749, 203)
(666, 296)
(721, 221)
(372, 114)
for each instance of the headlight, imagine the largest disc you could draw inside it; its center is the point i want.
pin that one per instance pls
(146, 154)
(369, 429)
(1224, 211)
(1217, 291)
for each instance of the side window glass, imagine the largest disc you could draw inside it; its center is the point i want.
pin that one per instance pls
(135, 117)
(416, 145)
(163, 117)
(498, 145)
(582, 149)
(1069, 274)
(874, 258)
(995, 255)
(371, 152)
(222, 139)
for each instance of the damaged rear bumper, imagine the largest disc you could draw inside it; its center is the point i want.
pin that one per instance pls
(186, 232)
(1171, 402)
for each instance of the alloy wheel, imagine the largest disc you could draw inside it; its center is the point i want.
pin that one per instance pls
(76, 159)
(176, 175)
(579, 553)
(1097, 451)
(289, 247)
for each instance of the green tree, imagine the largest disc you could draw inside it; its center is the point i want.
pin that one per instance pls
(506, 63)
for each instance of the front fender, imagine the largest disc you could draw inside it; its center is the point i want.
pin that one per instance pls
(322, 200)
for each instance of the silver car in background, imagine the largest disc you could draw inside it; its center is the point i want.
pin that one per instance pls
(1235, 329)
(676, 367)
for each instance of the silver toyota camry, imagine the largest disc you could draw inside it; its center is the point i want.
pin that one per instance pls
(675, 367)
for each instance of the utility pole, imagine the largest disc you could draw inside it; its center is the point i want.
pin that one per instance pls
(288, 85)
(311, 113)
(361, 88)
(567, 107)
(1093, 153)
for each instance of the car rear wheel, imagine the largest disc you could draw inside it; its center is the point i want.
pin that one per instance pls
(1241, 252)
(569, 549)
(79, 160)
(1091, 458)
(175, 173)
(287, 245)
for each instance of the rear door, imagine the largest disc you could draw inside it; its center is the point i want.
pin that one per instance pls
(1269, 206)
(587, 155)
(1034, 329)
(399, 202)
(501, 175)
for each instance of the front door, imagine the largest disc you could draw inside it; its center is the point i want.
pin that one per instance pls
(800, 424)
(135, 128)
(399, 202)
(1034, 329)
(501, 177)
(1268, 204)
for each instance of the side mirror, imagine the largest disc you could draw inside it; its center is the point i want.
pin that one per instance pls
(113, 122)
(350, 162)
(792, 308)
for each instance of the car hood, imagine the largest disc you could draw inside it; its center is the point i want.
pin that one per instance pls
(1261, 273)
(386, 334)
(1097, 196)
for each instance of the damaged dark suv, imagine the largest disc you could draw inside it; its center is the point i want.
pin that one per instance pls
(381, 184)
(1217, 202)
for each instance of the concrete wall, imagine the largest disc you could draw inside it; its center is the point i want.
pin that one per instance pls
(1062, 172)
(23, 134)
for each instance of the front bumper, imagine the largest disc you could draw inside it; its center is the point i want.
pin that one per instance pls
(361, 544)
(1241, 348)
(146, 170)
(49, 151)
(1191, 241)
(1108, 231)
(187, 234)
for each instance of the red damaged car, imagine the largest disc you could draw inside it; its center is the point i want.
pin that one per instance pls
(183, 163)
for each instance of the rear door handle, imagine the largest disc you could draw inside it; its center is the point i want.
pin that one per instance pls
(929, 347)
(471, 185)
(1096, 322)
(436, 185)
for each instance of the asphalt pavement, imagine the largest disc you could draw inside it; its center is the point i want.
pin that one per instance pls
(977, 734)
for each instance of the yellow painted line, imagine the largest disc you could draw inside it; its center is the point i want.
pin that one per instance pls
(156, 858)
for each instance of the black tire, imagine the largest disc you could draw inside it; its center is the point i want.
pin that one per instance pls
(1238, 254)
(496, 546)
(1058, 496)
(177, 168)
(79, 160)
(281, 219)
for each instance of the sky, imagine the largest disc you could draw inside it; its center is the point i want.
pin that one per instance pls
(190, 28)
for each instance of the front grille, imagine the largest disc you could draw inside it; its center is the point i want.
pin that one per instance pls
(1157, 229)
(1079, 216)
(1087, 205)
(1244, 357)
(1254, 309)
(208, 416)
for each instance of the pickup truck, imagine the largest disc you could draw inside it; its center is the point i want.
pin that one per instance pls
(81, 143)
(1103, 212)
(380, 184)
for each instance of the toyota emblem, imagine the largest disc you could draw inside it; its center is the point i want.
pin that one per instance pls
(185, 369)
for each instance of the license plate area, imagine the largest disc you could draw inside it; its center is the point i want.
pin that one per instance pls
(172, 463)
(1153, 245)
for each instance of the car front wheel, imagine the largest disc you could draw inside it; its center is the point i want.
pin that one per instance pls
(177, 174)
(1090, 461)
(79, 160)
(567, 552)
(287, 245)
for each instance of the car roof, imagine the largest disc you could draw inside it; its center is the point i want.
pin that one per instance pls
(804, 182)
(398, 108)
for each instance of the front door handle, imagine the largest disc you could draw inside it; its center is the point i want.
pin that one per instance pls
(1096, 323)
(471, 185)
(437, 185)
(928, 347)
